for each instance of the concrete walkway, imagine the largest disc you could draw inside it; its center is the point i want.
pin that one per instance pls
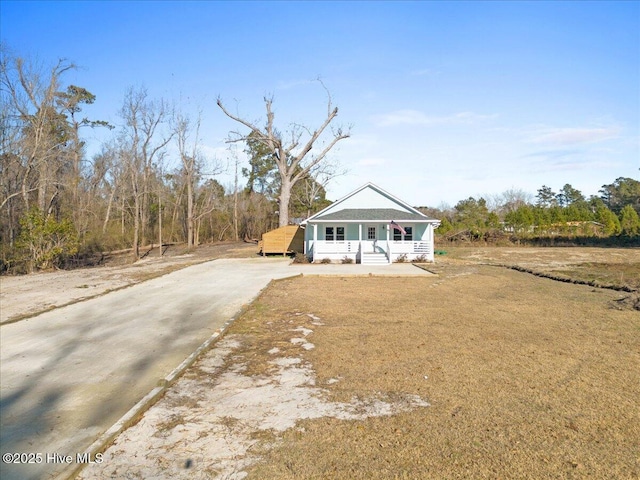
(67, 375)
(351, 270)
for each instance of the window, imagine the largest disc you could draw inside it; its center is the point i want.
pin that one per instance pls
(334, 234)
(398, 236)
(328, 234)
(371, 233)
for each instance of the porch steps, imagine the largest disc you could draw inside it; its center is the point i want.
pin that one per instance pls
(374, 259)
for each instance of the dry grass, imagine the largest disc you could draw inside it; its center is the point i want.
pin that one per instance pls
(619, 275)
(611, 267)
(526, 377)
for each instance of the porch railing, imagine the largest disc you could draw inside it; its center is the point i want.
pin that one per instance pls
(421, 248)
(352, 246)
(347, 246)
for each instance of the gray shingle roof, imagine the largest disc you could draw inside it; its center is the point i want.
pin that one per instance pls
(370, 214)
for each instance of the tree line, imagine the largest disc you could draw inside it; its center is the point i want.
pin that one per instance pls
(612, 213)
(149, 184)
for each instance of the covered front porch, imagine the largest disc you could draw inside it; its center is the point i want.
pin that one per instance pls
(368, 242)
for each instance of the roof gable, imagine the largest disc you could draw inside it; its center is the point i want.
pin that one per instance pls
(368, 197)
(370, 214)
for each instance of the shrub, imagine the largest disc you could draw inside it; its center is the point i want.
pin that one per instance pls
(420, 259)
(46, 241)
(401, 258)
(300, 258)
(346, 259)
(325, 260)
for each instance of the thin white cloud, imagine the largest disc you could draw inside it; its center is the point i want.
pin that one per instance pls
(575, 136)
(587, 157)
(559, 153)
(572, 164)
(415, 117)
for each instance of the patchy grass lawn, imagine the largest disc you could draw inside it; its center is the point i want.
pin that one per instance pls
(526, 377)
(615, 267)
(480, 371)
(617, 275)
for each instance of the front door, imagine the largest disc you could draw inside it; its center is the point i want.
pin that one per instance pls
(370, 242)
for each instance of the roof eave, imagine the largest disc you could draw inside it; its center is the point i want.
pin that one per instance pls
(388, 220)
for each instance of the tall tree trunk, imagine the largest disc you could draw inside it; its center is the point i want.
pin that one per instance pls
(235, 204)
(108, 214)
(191, 242)
(196, 233)
(122, 220)
(136, 234)
(136, 221)
(159, 224)
(285, 197)
(42, 187)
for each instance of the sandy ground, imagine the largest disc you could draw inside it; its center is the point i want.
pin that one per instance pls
(212, 434)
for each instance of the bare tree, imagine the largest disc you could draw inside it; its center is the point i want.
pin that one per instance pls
(511, 199)
(107, 176)
(31, 92)
(188, 158)
(310, 191)
(142, 147)
(70, 103)
(194, 168)
(296, 152)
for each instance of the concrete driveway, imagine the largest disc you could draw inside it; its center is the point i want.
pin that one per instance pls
(67, 375)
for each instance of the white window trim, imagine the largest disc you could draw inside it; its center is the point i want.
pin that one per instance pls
(367, 227)
(402, 236)
(335, 233)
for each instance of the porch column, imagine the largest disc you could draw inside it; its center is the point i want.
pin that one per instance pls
(432, 241)
(315, 242)
(360, 238)
(388, 242)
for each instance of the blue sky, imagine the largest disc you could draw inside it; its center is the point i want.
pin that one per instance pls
(445, 100)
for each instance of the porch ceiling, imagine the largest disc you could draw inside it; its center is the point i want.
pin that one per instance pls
(372, 215)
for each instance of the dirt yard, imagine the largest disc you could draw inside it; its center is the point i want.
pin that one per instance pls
(479, 372)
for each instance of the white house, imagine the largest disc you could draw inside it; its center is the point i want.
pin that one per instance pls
(369, 225)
